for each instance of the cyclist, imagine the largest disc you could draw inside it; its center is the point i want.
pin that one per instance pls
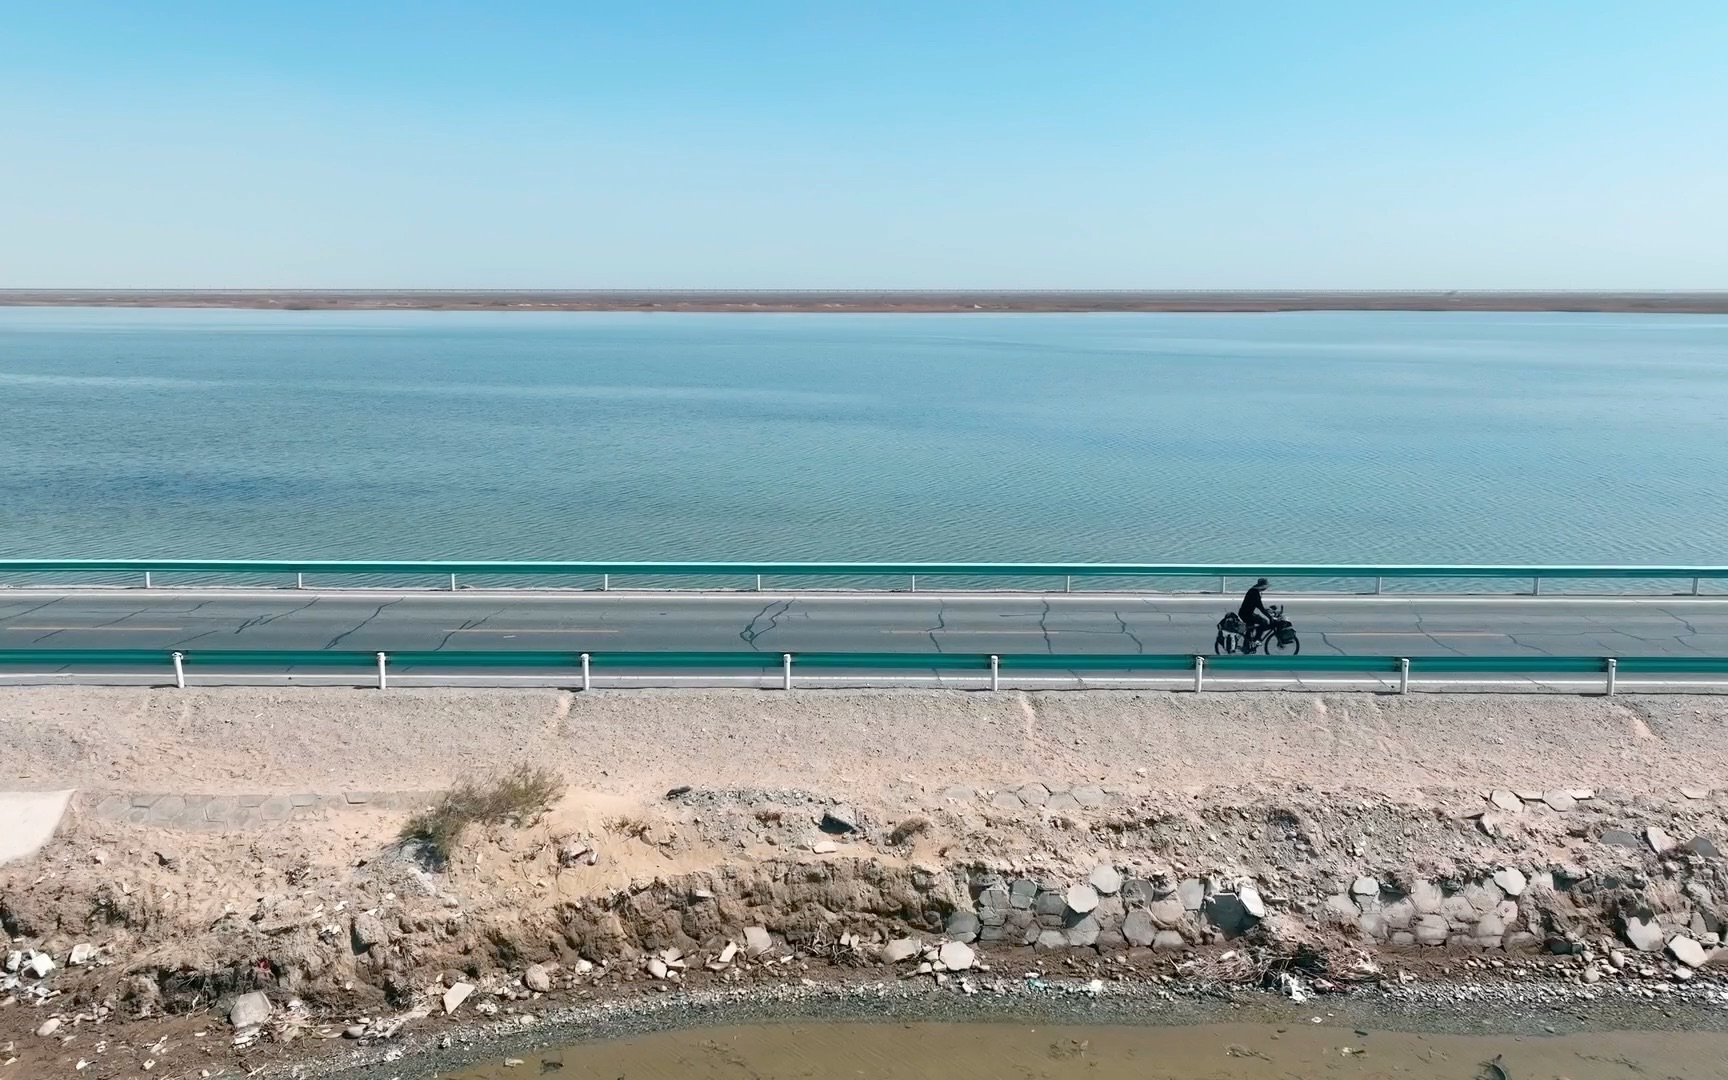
(1256, 620)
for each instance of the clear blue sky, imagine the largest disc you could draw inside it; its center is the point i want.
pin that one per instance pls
(584, 143)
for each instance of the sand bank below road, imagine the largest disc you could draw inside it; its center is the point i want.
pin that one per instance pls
(852, 743)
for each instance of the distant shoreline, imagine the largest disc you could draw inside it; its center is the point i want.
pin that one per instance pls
(859, 301)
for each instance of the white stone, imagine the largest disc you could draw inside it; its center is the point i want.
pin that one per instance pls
(901, 949)
(49, 1027)
(1081, 898)
(657, 967)
(756, 941)
(1251, 901)
(14, 961)
(1660, 842)
(956, 956)
(1582, 793)
(1506, 801)
(1559, 801)
(456, 995)
(825, 847)
(1139, 928)
(1695, 793)
(1511, 880)
(82, 953)
(1688, 952)
(537, 979)
(39, 965)
(1365, 886)
(1644, 934)
(1106, 879)
(249, 1010)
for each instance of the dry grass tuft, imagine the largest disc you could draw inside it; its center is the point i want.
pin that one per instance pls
(512, 796)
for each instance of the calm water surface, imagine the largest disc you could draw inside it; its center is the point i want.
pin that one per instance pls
(1322, 437)
(1212, 1052)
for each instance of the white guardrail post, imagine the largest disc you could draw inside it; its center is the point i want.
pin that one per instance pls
(1199, 673)
(587, 673)
(785, 671)
(995, 672)
(383, 683)
(180, 670)
(299, 581)
(146, 579)
(1613, 670)
(1404, 675)
(452, 582)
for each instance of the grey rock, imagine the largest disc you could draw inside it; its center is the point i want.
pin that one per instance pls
(1142, 892)
(1139, 928)
(1063, 802)
(1489, 930)
(959, 793)
(1373, 926)
(1049, 903)
(1643, 933)
(366, 931)
(1167, 914)
(962, 926)
(1619, 838)
(1111, 940)
(1191, 893)
(956, 956)
(1521, 941)
(990, 916)
(1227, 912)
(1106, 879)
(1168, 941)
(168, 859)
(1458, 911)
(1698, 845)
(1660, 842)
(1341, 907)
(1399, 914)
(1511, 880)
(537, 979)
(1695, 793)
(1403, 938)
(1089, 795)
(1051, 939)
(1034, 795)
(1365, 886)
(1561, 801)
(1431, 930)
(901, 949)
(1688, 952)
(1021, 892)
(1080, 898)
(1084, 932)
(1427, 897)
(995, 897)
(756, 941)
(1007, 800)
(1109, 909)
(249, 1010)
(1506, 801)
(839, 818)
(1482, 898)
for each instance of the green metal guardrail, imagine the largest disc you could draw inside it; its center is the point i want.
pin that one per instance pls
(299, 569)
(585, 664)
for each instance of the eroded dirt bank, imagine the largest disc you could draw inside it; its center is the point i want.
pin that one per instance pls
(751, 842)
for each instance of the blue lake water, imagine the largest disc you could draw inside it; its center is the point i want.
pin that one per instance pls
(1126, 437)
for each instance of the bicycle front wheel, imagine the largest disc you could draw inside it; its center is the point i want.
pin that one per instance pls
(1273, 647)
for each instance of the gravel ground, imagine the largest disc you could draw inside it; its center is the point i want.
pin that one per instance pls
(858, 742)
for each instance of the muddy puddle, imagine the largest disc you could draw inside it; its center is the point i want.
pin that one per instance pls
(1033, 1052)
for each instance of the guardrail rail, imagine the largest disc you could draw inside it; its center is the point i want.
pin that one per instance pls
(584, 667)
(745, 575)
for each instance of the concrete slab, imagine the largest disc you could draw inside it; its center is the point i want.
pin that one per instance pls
(28, 820)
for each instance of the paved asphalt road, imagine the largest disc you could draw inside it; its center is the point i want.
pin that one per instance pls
(775, 623)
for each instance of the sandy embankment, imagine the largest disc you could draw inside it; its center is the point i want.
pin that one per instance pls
(1109, 834)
